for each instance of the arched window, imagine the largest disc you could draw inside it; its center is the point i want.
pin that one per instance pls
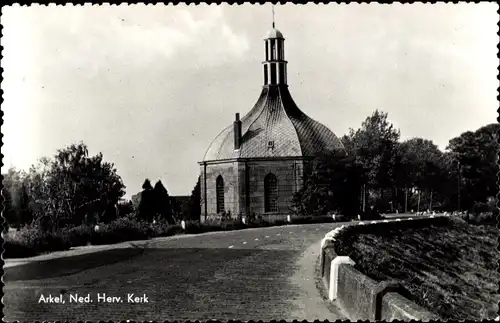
(219, 183)
(270, 193)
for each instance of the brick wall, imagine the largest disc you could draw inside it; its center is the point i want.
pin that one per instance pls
(288, 181)
(228, 173)
(240, 176)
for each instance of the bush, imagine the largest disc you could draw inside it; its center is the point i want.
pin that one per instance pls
(480, 207)
(257, 221)
(163, 229)
(280, 222)
(31, 241)
(340, 217)
(233, 224)
(123, 229)
(303, 220)
(370, 214)
(216, 224)
(193, 227)
(481, 214)
(485, 218)
(80, 235)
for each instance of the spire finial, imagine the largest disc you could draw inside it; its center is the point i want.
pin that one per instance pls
(273, 15)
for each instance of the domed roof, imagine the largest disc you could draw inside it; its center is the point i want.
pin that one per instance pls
(275, 127)
(274, 33)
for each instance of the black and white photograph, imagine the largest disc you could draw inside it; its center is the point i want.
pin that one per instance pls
(253, 162)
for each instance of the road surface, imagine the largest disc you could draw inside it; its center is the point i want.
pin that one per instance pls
(255, 274)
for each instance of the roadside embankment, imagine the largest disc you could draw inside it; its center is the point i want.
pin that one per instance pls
(360, 296)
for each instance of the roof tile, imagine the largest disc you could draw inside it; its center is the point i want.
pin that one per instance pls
(275, 118)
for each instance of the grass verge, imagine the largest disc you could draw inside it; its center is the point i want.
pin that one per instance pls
(449, 269)
(31, 241)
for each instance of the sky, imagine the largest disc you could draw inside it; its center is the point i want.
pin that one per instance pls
(150, 86)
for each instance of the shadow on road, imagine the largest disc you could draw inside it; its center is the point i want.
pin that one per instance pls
(180, 283)
(68, 265)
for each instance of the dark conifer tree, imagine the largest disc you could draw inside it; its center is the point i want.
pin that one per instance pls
(147, 202)
(195, 202)
(162, 203)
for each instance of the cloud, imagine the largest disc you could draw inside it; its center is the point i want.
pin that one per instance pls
(151, 86)
(70, 59)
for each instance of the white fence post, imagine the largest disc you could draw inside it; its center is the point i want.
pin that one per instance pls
(334, 275)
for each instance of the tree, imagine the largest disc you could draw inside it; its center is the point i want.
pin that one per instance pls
(125, 208)
(419, 165)
(17, 202)
(147, 185)
(373, 147)
(332, 186)
(9, 212)
(72, 186)
(23, 204)
(147, 208)
(162, 203)
(176, 208)
(195, 202)
(136, 200)
(475, 157)
(450, 185)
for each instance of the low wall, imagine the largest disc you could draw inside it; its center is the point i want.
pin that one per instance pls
(361, 297)
(396, 307)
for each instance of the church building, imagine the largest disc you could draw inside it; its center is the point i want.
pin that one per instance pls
(255, 165)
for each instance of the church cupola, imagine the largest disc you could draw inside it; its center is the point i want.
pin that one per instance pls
(275, 64)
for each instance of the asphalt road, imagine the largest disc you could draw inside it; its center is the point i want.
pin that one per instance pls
(256, 274)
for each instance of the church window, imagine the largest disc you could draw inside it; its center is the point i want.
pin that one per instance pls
(266, 78)
(270, 193)
(220, 194)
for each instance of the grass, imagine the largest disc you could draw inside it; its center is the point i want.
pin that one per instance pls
(31, 241)
(450, 269)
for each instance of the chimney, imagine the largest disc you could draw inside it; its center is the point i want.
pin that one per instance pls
(237, 132)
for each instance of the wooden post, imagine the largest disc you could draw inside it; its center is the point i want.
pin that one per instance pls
(406, 198)
(364, 197)
(395, 201)
(430, 203)
(418, 202)
(361, 198)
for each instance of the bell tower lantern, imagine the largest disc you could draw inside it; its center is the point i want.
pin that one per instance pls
(275, 64)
